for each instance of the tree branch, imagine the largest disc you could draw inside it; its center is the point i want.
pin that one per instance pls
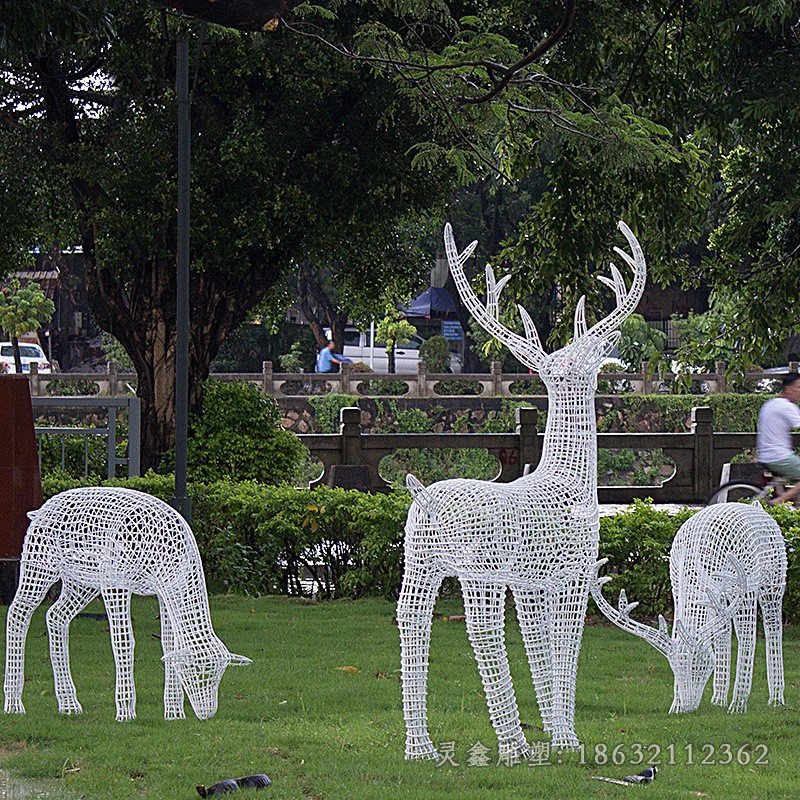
(526, 61)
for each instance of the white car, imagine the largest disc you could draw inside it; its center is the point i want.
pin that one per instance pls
(28, 354)
(406, 356)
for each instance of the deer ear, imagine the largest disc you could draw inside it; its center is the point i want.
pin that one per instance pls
(420, 494)
(239, 661)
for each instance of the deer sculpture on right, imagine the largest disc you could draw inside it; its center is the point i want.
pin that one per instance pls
(725, 560)
(537, 536)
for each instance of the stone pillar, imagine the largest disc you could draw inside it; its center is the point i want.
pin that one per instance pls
(722, 383)
(351, 472)
(344, 379)
(113, 379)
(497, 379)
(703, 429)
(530, 451)
(422, 380)
(647, 383)
(267, 386)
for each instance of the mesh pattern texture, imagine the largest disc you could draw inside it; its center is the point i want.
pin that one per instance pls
(116, 542)
(537, 536)
(725, 561)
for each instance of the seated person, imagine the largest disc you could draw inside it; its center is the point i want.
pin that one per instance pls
(776, 420)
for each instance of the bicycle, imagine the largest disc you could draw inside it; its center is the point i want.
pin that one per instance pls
(766, 485)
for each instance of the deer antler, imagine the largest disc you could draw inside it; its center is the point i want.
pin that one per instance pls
(627, 299)
(658, 637)
(527, 349)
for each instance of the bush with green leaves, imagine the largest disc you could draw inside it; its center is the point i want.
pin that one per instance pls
(435, 354)
(238, 436)
(327, 407)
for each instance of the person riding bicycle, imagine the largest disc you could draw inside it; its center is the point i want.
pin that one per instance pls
(776, 420)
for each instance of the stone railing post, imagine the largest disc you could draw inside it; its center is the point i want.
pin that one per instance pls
(647, 381)
(344, 379)
(722, 383)
(351, 472)
(703, 429)
(350, 430)
(113, 379)
(422, 380)
(267, 385)
(794, 366)
(33, 379)
(497, 379)
(529, 445)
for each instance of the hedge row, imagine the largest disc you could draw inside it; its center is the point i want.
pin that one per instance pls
(258, 539)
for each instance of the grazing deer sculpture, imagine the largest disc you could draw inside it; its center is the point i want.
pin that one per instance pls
(117, 542)
(725, 560)
(537, 535)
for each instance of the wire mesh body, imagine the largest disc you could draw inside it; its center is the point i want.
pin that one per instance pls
(537, 536)
(725, 561)
(116, 542)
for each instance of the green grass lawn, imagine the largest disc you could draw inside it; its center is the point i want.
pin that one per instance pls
(321, 732)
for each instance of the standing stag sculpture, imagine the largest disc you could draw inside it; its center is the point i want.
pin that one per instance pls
(117, 542)
(724, 561)
(537, 535)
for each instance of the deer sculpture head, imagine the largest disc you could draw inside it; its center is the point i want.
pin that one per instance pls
(576, 365)
(698, 619)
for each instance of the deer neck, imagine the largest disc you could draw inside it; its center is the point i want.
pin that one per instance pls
(570, 439)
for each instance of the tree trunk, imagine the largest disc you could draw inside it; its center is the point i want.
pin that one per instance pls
(17, 359)
(390, 366)
(143, 317)
(317, 309)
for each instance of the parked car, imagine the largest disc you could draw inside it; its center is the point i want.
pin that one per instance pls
(406, 356)
(28, 354)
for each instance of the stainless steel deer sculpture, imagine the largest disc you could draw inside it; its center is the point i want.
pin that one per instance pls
(537, 535)
(117, 542)
(724, 561)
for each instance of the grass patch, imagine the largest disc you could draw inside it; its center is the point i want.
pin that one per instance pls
(321, 732)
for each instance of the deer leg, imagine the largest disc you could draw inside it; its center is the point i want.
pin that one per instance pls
(566, 626)
(744, 622)
(771, 601)
(173, 691)
(533, 613)
(722, 666)
(414, 618)
(72, 599)
(484, 609)
(118, 607)
(34, 581)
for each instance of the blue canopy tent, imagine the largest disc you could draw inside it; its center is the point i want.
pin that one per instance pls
(433, 303)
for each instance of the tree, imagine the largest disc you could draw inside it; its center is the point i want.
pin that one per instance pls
(23, 309)
(395, 330)
(639, 342)
(293, 158)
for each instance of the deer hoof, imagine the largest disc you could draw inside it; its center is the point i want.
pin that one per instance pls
(738, 706)
(776, 701)
(566, 741)
(721, 700)
(13, 706)
(420, 752)
(70, 707)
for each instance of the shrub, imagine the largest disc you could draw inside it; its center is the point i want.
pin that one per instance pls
(327, 407)
(435, 354)
(238, 436)
(457, 386)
